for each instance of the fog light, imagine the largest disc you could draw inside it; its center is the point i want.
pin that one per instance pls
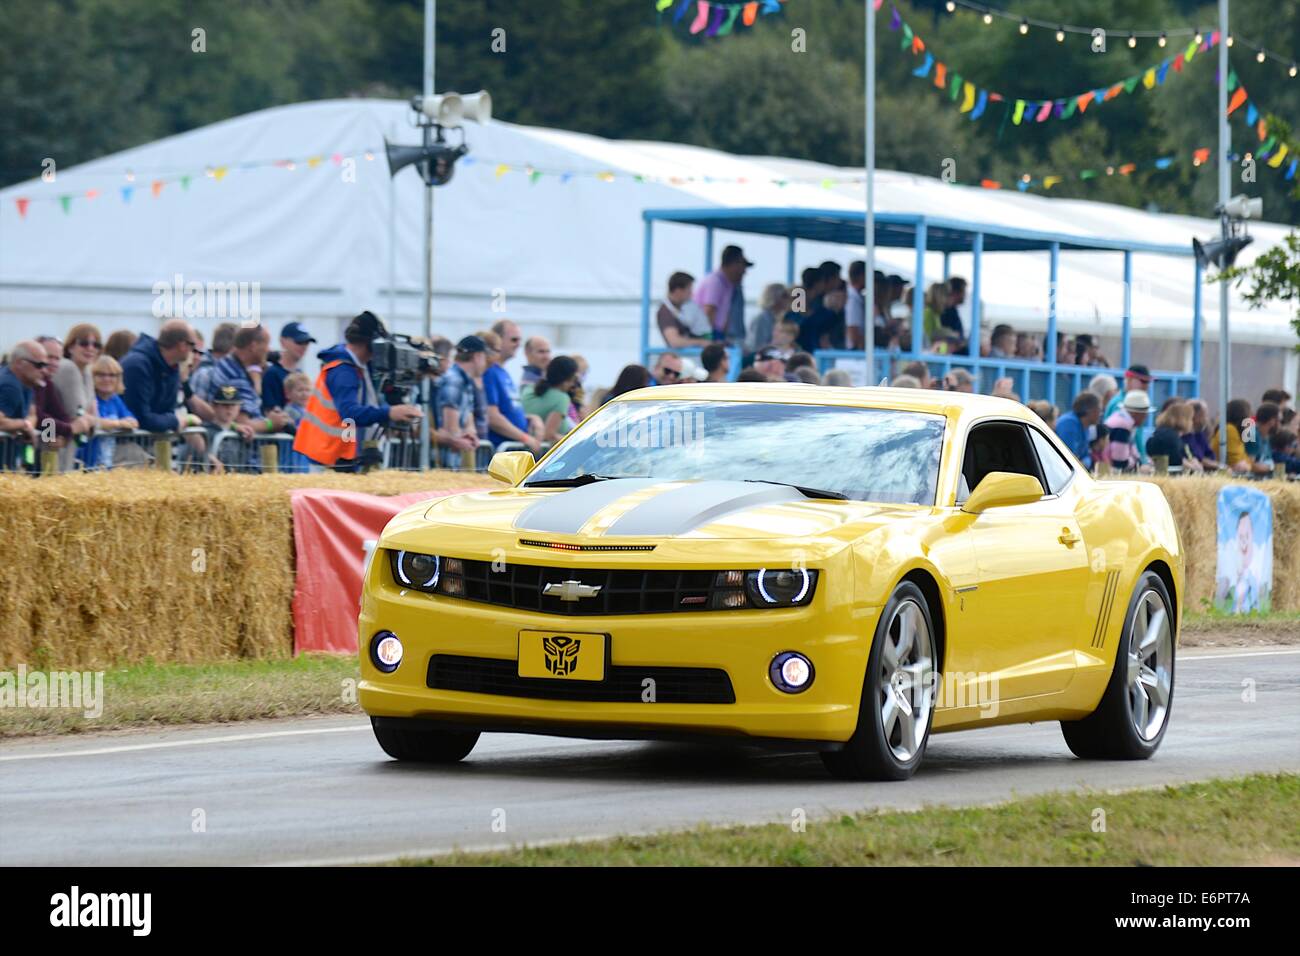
(791, 672)
(385, 651)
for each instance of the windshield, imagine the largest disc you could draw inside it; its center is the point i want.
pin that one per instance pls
(868, 454)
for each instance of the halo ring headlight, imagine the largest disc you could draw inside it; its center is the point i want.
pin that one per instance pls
(418, 570)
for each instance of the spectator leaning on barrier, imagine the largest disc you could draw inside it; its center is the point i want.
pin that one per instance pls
(249, 352)
(457, 432)
(1124, 423)
(1044, 410)
(1104, 387)
(111, 415)
(1279, 397)
(1136, 378)
(1173, 422)
(506, 418)
(80, 350)
(549, 399)
(1268, 418)
(18, 381)
(855, 306)
(537, 355)
(225, 438)
(1197, 438)
(294, 340)
(774, 304)
(343, 406)
(1077, 425)
(716, 362)
(1286, 450)
(223, 340)
(151, 375)
(1239, 420)
(70, 425)
(667, 369)
(959, 380)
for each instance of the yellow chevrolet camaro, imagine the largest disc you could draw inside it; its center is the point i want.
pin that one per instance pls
(839, 569)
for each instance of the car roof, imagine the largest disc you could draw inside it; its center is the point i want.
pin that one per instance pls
(932, 401)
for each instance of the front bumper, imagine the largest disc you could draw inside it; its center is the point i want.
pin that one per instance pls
(830, 631)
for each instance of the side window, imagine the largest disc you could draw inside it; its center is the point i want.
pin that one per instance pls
(996, 446)
(1055, 467)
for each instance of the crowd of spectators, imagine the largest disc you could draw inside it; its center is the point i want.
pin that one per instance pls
(88, 399)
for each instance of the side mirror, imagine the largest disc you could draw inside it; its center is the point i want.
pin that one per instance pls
(510, 466)
(1001, 488)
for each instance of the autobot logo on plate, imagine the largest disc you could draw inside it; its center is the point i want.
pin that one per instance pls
(561, 654)
(570, 590)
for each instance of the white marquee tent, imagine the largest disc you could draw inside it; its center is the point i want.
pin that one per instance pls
(559, 251)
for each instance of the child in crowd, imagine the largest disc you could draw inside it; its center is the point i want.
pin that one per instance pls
(226, 445)
(1286, 450)
(297, 389)
(111, 413)
(784, 335)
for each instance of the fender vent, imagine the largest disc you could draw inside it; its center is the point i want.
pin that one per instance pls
(1103, 611)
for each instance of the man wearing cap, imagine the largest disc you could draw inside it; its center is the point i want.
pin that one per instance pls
(1123, 425)
(455, 401)
(719, 294)
(344, 409)
(1137, 378)
(770, 363)
(294, 340)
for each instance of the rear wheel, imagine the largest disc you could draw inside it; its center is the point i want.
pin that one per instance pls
(404, 739)
(1131, 719)
(897, 695)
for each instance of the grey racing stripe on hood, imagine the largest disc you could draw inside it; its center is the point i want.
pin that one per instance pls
(682, 509)
(565, 512)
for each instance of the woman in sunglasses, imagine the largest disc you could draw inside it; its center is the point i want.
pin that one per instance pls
(73, 378)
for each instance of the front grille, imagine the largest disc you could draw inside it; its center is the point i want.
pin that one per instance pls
(621, 592)
(673, 685)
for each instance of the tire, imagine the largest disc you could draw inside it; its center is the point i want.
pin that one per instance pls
(882, 748)
(1131, 719)
(408, 740)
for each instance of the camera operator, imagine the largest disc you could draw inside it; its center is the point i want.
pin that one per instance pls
(344, 406)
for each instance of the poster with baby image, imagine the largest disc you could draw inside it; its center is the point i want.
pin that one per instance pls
(1244, 582)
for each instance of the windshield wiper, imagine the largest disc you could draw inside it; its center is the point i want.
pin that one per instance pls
(573, 482)
(803, 489)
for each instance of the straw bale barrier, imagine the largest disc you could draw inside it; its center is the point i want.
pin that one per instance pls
(127, 566)
(99, 569)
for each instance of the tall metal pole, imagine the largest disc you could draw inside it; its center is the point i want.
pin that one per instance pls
(869, 160)
(430, 19)
(1225, 147)
(430, 15)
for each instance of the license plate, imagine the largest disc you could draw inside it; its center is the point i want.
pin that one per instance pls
(563, 656)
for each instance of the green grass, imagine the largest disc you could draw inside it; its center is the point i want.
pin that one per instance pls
(1212, 619)
(1218, 823)
(147, 695)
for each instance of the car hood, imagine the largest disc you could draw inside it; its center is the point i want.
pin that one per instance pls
(624, 510)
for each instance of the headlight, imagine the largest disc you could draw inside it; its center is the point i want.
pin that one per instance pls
(781, 587)
(416, 570)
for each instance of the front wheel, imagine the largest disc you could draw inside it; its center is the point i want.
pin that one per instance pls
(897, 695)
(1133, 715)
(404, 739)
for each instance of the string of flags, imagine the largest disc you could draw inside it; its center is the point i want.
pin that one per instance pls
(717, 19)
(1272, 149)
(155, 184)
(977, 101)
(1162, 38)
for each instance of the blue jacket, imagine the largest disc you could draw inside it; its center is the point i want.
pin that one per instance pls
(151, 385)
(348, 390)
(273, 387)
(1071, 431)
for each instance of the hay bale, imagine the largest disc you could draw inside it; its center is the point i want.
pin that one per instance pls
(127, 566)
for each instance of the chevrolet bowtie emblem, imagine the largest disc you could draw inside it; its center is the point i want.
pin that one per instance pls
(570, 590)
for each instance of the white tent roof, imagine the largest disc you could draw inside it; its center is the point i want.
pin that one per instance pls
(554, 254)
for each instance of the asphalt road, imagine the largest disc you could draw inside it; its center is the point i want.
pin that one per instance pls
(321, 790)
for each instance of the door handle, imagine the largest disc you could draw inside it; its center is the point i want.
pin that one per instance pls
(1068, 538)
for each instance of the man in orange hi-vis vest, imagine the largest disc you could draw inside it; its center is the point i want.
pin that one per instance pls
(343, 406)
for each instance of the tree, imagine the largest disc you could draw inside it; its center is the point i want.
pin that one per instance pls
(1274, 274)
